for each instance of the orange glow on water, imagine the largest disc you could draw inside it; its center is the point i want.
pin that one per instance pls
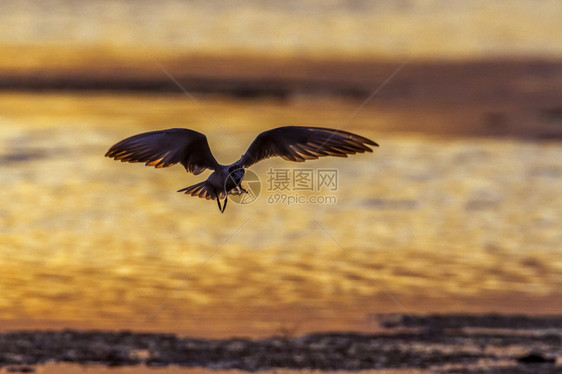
(442, 224)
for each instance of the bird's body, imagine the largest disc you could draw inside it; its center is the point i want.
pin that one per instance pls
(165, 148)
(222, 182)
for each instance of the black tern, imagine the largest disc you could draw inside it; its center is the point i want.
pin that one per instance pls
(165, 148)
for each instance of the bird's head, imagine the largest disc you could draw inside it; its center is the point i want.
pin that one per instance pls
(235, 176)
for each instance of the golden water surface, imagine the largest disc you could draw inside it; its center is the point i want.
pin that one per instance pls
(423, 224)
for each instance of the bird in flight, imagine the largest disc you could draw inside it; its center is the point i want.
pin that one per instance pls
(165, 148)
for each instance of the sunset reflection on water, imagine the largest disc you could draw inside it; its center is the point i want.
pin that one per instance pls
(442, 224)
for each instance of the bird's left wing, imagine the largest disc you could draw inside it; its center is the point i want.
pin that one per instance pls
(300, 143)
(165, 148)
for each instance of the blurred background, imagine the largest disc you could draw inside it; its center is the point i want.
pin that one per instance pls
(459, 210)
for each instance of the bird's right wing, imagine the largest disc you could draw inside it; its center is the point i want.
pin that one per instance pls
(300, 143)
(165, 148)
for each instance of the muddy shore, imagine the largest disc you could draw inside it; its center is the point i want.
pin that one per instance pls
(448, 344)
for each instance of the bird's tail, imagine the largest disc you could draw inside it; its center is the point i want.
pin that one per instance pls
(203, 190)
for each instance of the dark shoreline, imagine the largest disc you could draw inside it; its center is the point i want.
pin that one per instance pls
(518, 98)
(444, 81)
(426, 342)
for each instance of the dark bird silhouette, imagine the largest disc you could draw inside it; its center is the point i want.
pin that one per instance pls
(165, 148)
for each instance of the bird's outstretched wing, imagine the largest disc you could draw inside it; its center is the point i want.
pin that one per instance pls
(299, 143)
(165, 148)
